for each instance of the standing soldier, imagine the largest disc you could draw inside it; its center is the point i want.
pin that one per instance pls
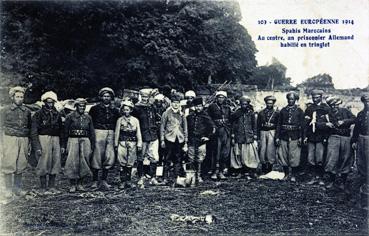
(220, 114)
(104, 117)
(200, 127)
(289, 135)
(245, 152)
(189, 96)
(267, 124)
(339, 152)
(145, 112)
(316, 135)
(174, 135)
(80, 136)
(127, 142)
(46, 134)
(15, 131)
(360, 139)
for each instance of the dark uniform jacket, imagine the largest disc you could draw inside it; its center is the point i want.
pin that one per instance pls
(199, 125)
(321, 130)
(244, 126)
(220, 115)
(148, 118)
(267, 120)
(290, 123)
(345, 115)
(104, 117)
(46, 122)
(79, 125)
(361, 125)
(16, 121)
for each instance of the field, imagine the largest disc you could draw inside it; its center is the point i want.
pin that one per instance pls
(240, 206)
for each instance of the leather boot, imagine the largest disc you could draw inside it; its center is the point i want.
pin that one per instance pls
(140, 171)
(123, 177)
(43, 183)
(286, 172)
(104, 178)
(198, 174)
(17, 186)
(52, 181)
(8, 179)
(264, 168)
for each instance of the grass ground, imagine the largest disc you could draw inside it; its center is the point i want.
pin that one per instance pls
(242, 206)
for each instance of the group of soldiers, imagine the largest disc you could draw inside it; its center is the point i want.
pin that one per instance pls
(163, 137)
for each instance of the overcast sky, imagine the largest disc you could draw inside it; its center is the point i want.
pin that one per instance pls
(346, 61)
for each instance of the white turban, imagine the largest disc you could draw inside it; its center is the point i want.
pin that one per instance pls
(17, 89)
(49, 94)
(190, 93)
(221, 93)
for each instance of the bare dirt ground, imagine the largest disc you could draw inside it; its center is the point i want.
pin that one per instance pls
(253, 207)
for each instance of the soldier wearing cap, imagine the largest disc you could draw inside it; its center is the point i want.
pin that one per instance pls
(174, 136)
(104, 117)
(200, 128)
(244, 155)
(220, 113)
(267, 123)
(127, 142)
(339, 152)
(15, 126)
(316, 135)
(147, 161)
(46, 135)
(289, 135)
(360, 139)
(80, 143)
(189, 97)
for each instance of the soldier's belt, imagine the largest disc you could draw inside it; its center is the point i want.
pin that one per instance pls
(78, 133)
(291, 127)
(127, 138)
(268, 125)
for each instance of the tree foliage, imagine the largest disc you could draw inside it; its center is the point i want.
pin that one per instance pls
(270, 76)
(69, 45)
(323, 81)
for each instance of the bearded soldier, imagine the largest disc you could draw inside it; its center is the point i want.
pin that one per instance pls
(15, 128)
(104, 117)
(267, 124)
(220, 114)
(46, 133)
(316, 135)
(339, 152)
(244, 155)
(200, 127)
(146, 113)
(360, 139)
(289, 135)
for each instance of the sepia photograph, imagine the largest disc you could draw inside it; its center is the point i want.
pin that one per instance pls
(184, 117)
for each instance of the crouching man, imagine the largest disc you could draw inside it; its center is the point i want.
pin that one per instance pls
(127, 142)
(15, 125)
(80, 136)
(46, 133)
(200, 127)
